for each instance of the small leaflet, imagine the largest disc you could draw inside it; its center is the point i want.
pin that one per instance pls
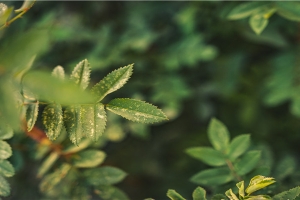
(53, 120)
(72, 121)
(59, 72)
(81, 74)
(32, 114)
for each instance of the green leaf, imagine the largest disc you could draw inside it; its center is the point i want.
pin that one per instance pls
(173, 195)
(59, 72)
(47, 164)
(81, 74)
(104, 175)
(136, 110)
(74, 148)
(241, 187)
(4, 187)
(73, 124)
(4, 13)
(107, 192)
(285, 167)
(258, 182)
(290, 194)
(245, 9)
(258, 23)
(26, 5)
(5, 132)
(32, 114)
(218, 135)
(258, 197)
(289, 10)
(112, 82)
(218, 197)
(238, 146)
(53, 120)
(207, 155)
(88, 158)
(199, 194)
(247, 162)
(6, 169)
(5, 150)
(93, 120)
(216, 176)
(231, 195)
(53, 89)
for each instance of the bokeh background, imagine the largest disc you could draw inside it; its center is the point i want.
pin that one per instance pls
(191, 62)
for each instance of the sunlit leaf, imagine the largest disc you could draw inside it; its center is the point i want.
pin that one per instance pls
(231, 195)
(238, 146)
(247, 162)
(59, 72)
(5, 132)
(136, 110)
(32, 114)
(47, 164)
(53, 120)
(88, 158)
(81, 74)
(4, 187)
(4, 13)
(5, 150)
(245, 9)
(173, 195)
(216, 176)
(107, 192)
(207, 155)
(73, 124)
(6, 169)
(241, 187)
(112, 81)
(290, 194)
(199, 194)
(258, 182)
(218, 135)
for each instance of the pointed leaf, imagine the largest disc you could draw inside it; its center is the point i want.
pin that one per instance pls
(5, 150)
(4, 13)
(59, 72)
(136, 110)
(112, 82)
(199, 194)
(290, 194)
(93, 120)
(231, 195)
(217, 176)
(218, 197)
(32, 114)
(72, 121)
(247, 163)
(207, 155)
(47, 164)
(218, 135)
(258, 23)
(241, 187)
(104, 175)
(81, 74)
(6, 169)
(107, 192)
(173, 195)
(238, 146)
(53, 120)
(88, 158)
(258, 182)
(4, 187)
(5, 132)
(245, 9)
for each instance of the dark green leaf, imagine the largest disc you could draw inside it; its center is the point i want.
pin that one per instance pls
(32, 114)
(81, 145)
(47, 164)
(107, 192)
(199, 194)
(112, 82)
(93, 120)
(173, 195)
(289, 9)
(5, 132)
(136, 110)
(290, 194)
(247, 162)
(73, 124)
(218, 197)
(258, 197)
(218, 135)
(217, 176)
(81, 74)
(245, 9)
(4, 187)
(104, 175)
(6, 169)
(285, 167)
(5, 150)
(207, 155)
(59, 72)
(238, 146)
(88, 158)
(53, 120)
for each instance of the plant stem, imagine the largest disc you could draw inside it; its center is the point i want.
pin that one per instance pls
(231, 168)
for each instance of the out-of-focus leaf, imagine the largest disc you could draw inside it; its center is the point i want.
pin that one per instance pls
(258, 23)
(5, 132)
(112, 82)
(289, 10)
(247, 162)
(285, 167)
(59, 72)
(4, 13)
(238, 146)
(107, 192)
(258, 197)
(47, 164)
(218, 197)
(207, 155)
(32, 114)
(93, 120)
(216, 176)
(104, 175)
(81, 74)
(258, 182)
(73, 124)
(173, 195)
(218, 135)
(6, 169)
(53, 120)
(25, 6)
(136, 110)
(74, 148)
(5, 150)
(290, 194)
(199, 194)
(88, 158)
(245, 9)
(4, 187)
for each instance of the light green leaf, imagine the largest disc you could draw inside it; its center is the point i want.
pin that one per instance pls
(290, 194)
(231, 195)
(4, 187)
(258, 23)
(199, 194)
(238, 146)
(4, 13)
(112, 82)
(258, 182)
(245, 9)
(88, 158)
(216, 176)
(173, 195)
(47, 164)
(5, 150)
(247, 162)
(207, 155)
(93, 120)
(59, 72)
(73, 124)
(104, 175)
(241, 187)
(289, 9)
(26, 5)
(53, 89)
(136, 110)
(218, 135)
(6, 169)
(53, 120)
(5, 132)
(32, 114)
(107, 192)
(81, 74)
